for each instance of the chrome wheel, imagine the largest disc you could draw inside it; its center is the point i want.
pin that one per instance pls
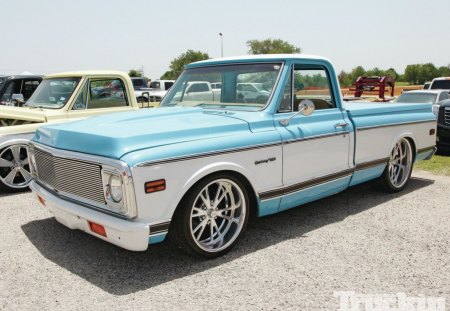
(218, 215)
(14, 167)
(400, 164)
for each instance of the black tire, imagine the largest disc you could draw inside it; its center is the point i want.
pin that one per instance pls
(398, 171)
(195, 214)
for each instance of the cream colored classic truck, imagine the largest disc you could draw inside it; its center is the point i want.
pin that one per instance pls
(60, 97)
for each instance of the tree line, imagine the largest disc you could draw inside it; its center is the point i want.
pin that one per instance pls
(414, 74)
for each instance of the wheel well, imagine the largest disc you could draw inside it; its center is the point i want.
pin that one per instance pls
(413, 147)
(251, 192)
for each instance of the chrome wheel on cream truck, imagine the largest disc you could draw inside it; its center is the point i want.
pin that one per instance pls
(14, 168)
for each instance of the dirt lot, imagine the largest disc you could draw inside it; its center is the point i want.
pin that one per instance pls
(361, 240)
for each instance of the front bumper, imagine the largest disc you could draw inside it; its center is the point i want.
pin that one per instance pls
(130, 235)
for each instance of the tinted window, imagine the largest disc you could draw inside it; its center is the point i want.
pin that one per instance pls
(167, 85)
(441, 84)
(443, 96)
(155, 85)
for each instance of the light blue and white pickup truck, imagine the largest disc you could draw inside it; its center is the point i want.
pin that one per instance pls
(196, 169)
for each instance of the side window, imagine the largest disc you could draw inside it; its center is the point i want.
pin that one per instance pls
(28, 88)
(168, 85)
(6, 97)
(313, 84)
(106, 93)
(443, 96)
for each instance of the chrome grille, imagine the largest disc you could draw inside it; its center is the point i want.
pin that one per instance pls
(70, 176)
(447, 115)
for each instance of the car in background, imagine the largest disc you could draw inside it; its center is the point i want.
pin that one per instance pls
(426, 85)
(16, 89)
(155, 93)
(442, 83)
(443, 125)
(139, 83)
(433, 97)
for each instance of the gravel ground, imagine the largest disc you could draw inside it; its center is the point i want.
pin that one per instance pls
(361, 240)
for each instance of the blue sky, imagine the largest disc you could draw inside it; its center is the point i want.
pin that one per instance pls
(48, 36)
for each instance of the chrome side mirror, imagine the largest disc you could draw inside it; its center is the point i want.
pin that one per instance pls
(17, 99)
(305, 107)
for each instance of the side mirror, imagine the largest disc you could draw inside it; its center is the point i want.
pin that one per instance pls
(17, 99)
(305, 107)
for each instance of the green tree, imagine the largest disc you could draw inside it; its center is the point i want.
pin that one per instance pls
(444, 71)
(271, 46)
(392, 73)
(427, 72)
(357, 72)
(134, 73)
(345, 78)
(412, 73)
(177, 64)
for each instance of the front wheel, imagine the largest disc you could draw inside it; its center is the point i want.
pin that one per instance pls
(399, 169)
(212, 216)
(14, 168)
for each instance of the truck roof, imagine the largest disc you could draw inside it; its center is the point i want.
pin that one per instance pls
(88, 73)
(257, 58)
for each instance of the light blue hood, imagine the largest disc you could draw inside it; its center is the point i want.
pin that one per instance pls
(117, 134)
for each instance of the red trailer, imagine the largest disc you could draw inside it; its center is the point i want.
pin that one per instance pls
(374, 86)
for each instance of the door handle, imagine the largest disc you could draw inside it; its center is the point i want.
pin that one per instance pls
(338, 125)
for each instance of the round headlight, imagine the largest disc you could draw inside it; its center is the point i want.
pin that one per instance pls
(115, 188)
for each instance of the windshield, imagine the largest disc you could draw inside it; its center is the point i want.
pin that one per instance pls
(53, 93)
(441, 84)
(417, 98)
(240, 87)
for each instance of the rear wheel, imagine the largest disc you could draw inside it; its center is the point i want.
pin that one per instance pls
(399, 169)
(14, 168)
(212, 216)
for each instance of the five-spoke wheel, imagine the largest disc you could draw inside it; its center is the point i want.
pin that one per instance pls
(14, 168)
(212, 216)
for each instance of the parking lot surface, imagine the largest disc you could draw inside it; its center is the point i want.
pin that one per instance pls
(361, 240)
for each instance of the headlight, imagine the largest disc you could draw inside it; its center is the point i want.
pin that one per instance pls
(114, 189)
(118, 190)
(436, 110)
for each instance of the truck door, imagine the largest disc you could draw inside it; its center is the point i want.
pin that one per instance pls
(315, 147)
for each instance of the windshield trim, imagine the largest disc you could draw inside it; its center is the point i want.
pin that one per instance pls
(74, 92)
(269, 100)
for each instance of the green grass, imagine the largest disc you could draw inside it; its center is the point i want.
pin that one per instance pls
(439, 164)
(400, 83)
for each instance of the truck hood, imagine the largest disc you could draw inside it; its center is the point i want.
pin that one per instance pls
(22, 113)
(115, 135)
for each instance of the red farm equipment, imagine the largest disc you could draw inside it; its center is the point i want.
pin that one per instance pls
(374, 86)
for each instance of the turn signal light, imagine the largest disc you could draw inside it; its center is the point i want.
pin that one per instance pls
(99, 229)
(155, 186)
(41, 200)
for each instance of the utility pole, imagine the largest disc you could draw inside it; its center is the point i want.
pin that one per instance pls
(221, 43)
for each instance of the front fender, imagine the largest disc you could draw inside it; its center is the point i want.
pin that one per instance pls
(8, 140)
